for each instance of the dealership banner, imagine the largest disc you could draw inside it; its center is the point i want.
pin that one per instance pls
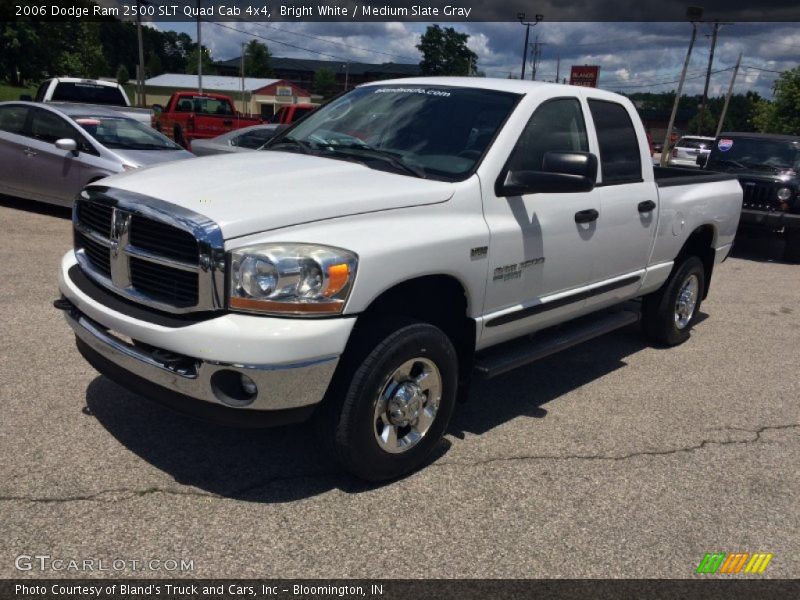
(584, 76)
(392, 10)
(393, 589)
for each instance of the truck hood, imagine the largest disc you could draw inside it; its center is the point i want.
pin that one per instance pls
(263, 190)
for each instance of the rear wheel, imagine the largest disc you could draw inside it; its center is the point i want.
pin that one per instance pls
(395, 401)
(669, 313)
(791, 252)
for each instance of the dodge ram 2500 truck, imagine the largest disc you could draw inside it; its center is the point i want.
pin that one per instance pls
(404, 238)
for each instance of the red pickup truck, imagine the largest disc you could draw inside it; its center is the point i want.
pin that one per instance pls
(189, 115)
(291, 113)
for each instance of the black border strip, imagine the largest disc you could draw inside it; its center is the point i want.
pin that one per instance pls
(524, 313)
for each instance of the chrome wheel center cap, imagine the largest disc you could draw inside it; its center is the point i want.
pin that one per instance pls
(404, 406)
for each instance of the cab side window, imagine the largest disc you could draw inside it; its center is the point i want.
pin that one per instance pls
(620, 159)
(12, 118)
(556, 126)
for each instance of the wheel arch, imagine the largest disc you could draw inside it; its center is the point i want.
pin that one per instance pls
(700, 243)
(441, 300)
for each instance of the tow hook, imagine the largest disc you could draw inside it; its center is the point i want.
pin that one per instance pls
(63, 304)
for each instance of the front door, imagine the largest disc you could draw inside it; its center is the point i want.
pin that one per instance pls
(538, 252)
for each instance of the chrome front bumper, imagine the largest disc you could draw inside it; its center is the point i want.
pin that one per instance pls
(279, 386)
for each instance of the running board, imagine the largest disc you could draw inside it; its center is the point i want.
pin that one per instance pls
(517, 353)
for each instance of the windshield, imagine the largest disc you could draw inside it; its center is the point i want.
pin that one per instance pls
(90, 93)
(419, 130)
(760, 154)
(122, 133)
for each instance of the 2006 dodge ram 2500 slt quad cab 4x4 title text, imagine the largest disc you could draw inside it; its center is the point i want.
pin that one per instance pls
(402, 239)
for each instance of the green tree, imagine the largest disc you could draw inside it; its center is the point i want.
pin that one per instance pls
(191, 62)
(122, 75)
(324, 83)
(445, 52)
(257, 60)
(782, 115)
(154, 66)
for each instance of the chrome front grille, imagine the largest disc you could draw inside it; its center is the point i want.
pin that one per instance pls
(151, 252)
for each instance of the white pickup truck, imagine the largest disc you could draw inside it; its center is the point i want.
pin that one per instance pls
(404, 238)
(91, 91)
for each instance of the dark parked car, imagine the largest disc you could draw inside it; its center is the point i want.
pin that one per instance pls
(768, 168)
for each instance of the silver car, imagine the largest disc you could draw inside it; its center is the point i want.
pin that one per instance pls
(245, 139)
(49, 152)
(688, 148)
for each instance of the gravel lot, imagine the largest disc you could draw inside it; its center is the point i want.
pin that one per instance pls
(613, 459)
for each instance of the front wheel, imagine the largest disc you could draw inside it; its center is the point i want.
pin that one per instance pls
(398, 401)
(669, 313)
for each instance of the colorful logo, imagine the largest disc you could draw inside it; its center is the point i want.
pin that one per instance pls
(725, 144)
(720, 562)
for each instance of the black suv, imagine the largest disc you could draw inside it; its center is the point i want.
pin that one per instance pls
(768, 168)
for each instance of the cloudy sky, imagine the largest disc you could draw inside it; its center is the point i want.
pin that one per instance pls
(632, 56)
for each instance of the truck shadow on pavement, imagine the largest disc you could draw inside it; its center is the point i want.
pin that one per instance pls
(289, 463)
(759, 247)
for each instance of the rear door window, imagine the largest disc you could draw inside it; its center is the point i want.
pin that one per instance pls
(620, 159)
(12, 118)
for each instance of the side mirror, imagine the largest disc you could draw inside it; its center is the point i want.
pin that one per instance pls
(67, 145)
(701, 160)
(26, 97)
(157, 108)
(562, 172)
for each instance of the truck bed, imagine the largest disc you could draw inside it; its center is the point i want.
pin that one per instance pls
(669, 176)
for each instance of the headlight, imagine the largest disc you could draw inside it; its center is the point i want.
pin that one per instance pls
(784, 194)
(299, 279)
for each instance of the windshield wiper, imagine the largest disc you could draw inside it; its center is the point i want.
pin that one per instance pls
(390, 157)
(303, 146)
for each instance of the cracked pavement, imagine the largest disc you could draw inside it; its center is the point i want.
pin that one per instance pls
(613, 459)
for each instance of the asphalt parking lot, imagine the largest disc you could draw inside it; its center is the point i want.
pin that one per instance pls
(613, 459)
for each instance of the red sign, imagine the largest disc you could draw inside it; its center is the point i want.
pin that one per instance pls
(585, 76)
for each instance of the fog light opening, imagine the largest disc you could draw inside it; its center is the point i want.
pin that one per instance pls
(233, 388)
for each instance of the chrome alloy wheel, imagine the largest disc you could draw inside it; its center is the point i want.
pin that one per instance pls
(687, 301)
(407, 405)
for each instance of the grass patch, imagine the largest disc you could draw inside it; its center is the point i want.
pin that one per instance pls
(12, 92)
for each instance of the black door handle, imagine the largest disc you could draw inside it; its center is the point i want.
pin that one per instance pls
(647, 206)
(586, 216)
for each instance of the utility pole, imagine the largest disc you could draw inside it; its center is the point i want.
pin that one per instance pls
(242, 70)
(694, 13)
(728, 96)
(141, 97)
(521, 18)
(714, 32)
(199, 54)
(558, 67)
(536, 55)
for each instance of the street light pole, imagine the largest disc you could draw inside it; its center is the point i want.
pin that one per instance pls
(521, 18)
(199, 54)
(694, 13)
(700, 121)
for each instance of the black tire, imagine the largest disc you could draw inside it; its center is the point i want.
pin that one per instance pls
(791, 252)
(659, 309)
(179, 139)
(370, 361)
